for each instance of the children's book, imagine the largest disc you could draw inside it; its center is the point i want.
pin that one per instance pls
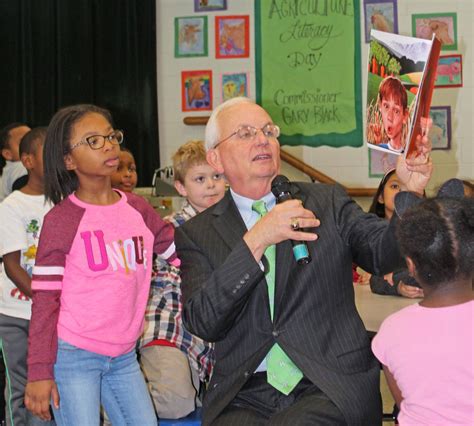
(402, 72)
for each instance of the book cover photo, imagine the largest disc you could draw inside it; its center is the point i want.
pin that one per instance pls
(401, 74)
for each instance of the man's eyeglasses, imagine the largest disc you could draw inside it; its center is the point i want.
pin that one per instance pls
(98, 141)
(249, 132)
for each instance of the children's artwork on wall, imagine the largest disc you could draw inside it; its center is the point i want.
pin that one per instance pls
(380, 15)
(209, 5)
(196, 90)
(443, 25)
(440, 132)
(381, 162)
(233, 85)
(190, 36)
(232, 36)
(449, 71)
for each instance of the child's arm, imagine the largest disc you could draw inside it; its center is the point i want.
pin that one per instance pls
(38, 396)
(43, 339)
(57, 235)
(164, 239)
(16, 273)
(392, 385)
(163, 231)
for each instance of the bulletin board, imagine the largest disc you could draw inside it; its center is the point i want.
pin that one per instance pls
(308, 73)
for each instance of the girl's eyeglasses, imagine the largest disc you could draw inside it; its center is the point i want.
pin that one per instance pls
(98, 141)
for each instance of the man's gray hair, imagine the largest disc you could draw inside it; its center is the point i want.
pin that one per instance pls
(212, 128)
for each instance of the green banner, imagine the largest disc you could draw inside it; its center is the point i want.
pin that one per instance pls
(308, 69)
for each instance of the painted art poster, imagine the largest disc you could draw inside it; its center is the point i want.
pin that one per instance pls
(234, 84)
(196, 90)
(308, 70)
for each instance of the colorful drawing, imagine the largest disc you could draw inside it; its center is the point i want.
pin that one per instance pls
(443, 25)
(440, 132)
(449, 71)
(233, 85)
(190, 36)
(232, 36)
(380, 162)
(209, 5)
(380, 15)
(196, 90)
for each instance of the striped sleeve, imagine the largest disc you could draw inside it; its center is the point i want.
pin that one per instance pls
(163, 231)
(57, 235)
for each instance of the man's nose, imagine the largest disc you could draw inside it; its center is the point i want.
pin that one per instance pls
(261, 138)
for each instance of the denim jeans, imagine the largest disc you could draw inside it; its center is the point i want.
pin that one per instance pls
(86, 380)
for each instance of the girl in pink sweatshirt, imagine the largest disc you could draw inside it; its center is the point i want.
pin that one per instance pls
(91, 279)
(427, 349)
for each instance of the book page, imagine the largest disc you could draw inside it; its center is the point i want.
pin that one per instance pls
(397, 67)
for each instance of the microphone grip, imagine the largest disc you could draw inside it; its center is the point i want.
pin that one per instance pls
(301, 252)
(300, 248)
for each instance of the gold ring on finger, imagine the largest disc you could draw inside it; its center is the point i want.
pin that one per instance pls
(294, 223)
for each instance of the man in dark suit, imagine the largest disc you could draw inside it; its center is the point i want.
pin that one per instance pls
(312, 317)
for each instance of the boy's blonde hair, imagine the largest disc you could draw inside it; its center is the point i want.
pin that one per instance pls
(190, 154)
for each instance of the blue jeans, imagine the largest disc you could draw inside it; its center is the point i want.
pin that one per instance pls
(86, 380)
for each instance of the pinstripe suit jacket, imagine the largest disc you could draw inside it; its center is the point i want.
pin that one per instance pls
(315, 319)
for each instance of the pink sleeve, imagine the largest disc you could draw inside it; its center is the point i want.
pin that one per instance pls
(379, 346)
(43, 335)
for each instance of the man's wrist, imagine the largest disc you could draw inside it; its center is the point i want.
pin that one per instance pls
(255, 245)
(417, 192)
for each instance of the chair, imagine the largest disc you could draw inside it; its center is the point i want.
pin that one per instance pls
(162, 182)
(193, 419)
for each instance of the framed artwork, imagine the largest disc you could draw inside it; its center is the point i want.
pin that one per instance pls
(209, 5)
(380, 15)
(190, 36)
(381, 162)
(232, 36)
(449, 71)
(196, 90)
(440, 132)
(443, 25)
(233, 85)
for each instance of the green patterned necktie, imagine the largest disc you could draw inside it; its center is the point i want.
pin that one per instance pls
(282, 373)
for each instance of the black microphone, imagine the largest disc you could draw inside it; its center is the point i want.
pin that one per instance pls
(281, 190)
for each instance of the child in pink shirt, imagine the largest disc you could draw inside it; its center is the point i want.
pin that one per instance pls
(427, 349)
(91, 279)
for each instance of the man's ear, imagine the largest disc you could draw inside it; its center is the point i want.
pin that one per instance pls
(69, 162)
(7, 154)
(180, 188)
(214, 159)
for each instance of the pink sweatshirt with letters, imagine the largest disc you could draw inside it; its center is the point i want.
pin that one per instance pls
(92, 276)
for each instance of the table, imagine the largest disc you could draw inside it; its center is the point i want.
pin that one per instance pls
(374, 308)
